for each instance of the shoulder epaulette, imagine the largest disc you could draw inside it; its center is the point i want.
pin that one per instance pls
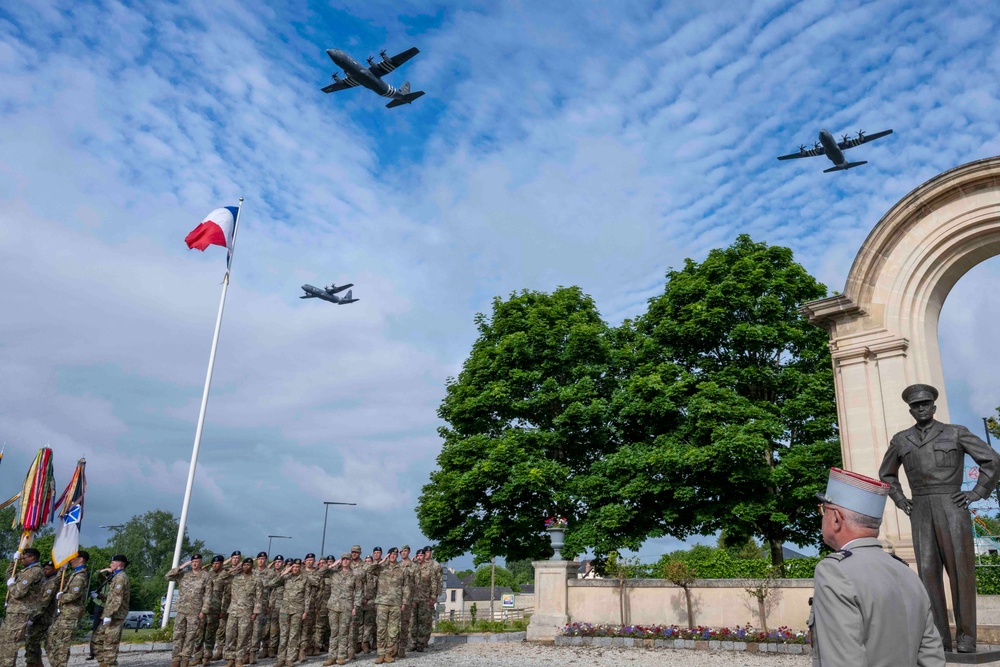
(840, 555)
(900, 559)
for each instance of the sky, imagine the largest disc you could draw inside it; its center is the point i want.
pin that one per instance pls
(596, 147)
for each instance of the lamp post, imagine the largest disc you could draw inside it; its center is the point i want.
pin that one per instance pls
(326, 513)
(272, 537)
(118, 531)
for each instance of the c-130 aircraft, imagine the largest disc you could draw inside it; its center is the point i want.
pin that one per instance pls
(329, 293)
(371, 77)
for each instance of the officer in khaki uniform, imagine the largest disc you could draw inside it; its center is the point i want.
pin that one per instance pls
(24, 603)
(868, 607)
(192, 608)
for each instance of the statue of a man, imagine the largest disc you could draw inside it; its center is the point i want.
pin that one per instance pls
(933, 456)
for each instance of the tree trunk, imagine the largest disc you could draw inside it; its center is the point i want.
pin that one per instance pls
(687, 597)
(493, 585)
(621, 601)
(777, 556)
(762, 612)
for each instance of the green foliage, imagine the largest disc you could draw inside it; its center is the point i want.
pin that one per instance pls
(504, 577)
(473, 610)
(525, 419)
(726, 409)
(458, 628)
(462, 574)
(993, 424)
(522, 571)
(988, 575)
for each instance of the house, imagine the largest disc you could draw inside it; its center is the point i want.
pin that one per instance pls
(459, 598)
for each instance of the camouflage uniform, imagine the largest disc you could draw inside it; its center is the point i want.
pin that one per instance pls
(192, 610)
(23, 604)
(406, 617)
(367, 615)
(70, 607)
(274, 615)
(393, 593)
(224, 581)
(423, 608)
(35, 633)
(214, 593)
(243, 607)
(294, 603)
(321, 629)
(343, 601)
(309, 622)
(115, 608)
(261, 625)
(357, 567)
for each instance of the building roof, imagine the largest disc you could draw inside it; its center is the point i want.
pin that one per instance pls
(450, 580)
(482, 593)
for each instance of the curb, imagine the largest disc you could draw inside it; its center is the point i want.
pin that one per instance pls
(489, 638)
(684, 644)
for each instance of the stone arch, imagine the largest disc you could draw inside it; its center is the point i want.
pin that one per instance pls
(884, 327)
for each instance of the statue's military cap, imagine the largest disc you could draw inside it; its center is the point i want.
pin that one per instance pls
(855, 492)
(218, 558)
(919, 392)
(356, 547)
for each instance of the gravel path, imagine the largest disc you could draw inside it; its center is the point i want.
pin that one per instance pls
(525, 655)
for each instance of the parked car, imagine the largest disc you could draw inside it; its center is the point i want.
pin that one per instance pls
(139, 619)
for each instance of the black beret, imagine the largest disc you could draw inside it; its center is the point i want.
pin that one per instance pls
(248, 560)
(393, 550)
(236, 553)
(330, 558)
(280, 557)
(310, 555)
(32, 551)
(262, 553)
(426, 549)
(83, 554)
(120, 558)
(196, 557)
(297, 561)
(420, 551)
(376, 549)
(48, 563)
(218, 558)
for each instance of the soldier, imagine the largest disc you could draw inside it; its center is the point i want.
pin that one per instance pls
(342, 606)
(274, 607)
(243, 609)
(264, 575)
(213, 595)
(115, 611)
(98, 596)
(192, 607)
(409, 567)
(294, 603)
(357, 566)
(321, 630)
(422, 602)
(369, 620)
(308, 623)
(71, 602)
(35, 633)
(868, 607)
(392, 599)
(225, 577)
(24, 590)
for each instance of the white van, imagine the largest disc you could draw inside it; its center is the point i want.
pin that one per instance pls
(139, 619)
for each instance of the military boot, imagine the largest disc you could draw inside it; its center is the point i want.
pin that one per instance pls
(175, 662)
(329, 661)
(389, 658)
(206, 660)
(230, 663)
(401, 653)
(184, 662)
(341, 661)
(366, 647)
(302, 654)
(379, 660)
(253, 658)
(218, 654)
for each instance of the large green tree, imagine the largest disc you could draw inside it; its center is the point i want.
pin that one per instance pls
(726, 409)
(525, 420)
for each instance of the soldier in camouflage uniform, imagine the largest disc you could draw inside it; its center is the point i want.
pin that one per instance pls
(392, 600)
(115, 610)
(309, 622)
(264, 575)
(35, 633)
(71, 602)
(321, 630)
(353, 643)
(24, 591)
(243, 609)
(231, 568)
(423, 602)
(342, 606)
(294, 603)
(213, 594)
(409, 567)
(274, 597)
(192, 608)
(369, 619)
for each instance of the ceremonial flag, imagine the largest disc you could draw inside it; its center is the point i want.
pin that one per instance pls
(218, 228)
(36, 497)
(67, 542)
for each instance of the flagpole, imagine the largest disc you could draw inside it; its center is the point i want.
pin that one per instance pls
(201, 424)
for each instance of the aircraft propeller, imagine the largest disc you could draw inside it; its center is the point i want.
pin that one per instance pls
(371, 60)
(382, 53)
(816, 145)
(861, 134)
(802, 148)
(846, 137)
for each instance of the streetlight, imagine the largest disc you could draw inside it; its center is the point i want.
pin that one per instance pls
(272, 537)
(118, 531)
(326, 512)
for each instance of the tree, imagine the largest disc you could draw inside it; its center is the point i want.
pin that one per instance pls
(504, 577)
(993, 424)
(525, 419)
(522, 571)
(725, 410)
(760, 588)
(680, 573)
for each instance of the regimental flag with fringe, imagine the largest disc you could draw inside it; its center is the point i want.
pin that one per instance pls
(67, 542)
(36, 497)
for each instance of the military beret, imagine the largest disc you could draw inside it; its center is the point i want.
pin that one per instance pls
(376, 549)
(426, 549)
(393, 550)
(218, 558)
(32, 551)
(855, 492)
(405, 547)
(420, 551)
(247, 560)
(261, 553)
(48, 563)
(196, 557)
(83, 554)
(121, 559)
(280, 557)
(236, 553)
(297, 561)
(310, 555)
(330, 558)
(919, 392)
(345, 555)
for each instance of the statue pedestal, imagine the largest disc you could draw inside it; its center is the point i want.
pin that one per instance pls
(551, 603)
(989, 658)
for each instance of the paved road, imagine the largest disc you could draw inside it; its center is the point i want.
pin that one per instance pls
(526, 655)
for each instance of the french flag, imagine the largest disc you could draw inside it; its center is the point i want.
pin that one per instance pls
(216, 229)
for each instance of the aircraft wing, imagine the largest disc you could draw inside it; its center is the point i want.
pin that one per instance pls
(343, 84)
(862, 139)
(389, 64)
(308, 296)
(812, 152)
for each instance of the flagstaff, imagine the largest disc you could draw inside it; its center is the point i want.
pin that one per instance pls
(178, 545)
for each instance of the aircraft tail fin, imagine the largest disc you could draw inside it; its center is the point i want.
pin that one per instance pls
(405, 99)
(845, 166)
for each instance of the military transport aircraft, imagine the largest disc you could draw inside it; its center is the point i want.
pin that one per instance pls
(830, 148)
(371, 77)
(329, 293)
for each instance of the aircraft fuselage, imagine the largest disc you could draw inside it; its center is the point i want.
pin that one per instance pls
(320, 293)
(832, 149)
(354, 70)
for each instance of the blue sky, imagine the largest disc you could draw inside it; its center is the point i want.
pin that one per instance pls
(597, 147)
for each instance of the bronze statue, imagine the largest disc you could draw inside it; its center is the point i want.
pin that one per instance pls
(933, 456)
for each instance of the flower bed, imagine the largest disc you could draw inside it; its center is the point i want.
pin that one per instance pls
(748, 635)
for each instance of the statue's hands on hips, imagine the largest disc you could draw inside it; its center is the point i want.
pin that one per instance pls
(964, 498)
(905, 504)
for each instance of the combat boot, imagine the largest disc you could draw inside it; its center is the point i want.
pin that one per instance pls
(176, 662)
(302, 654)
(366, 647)
(379, 660)
(329, 661)
(341, 661)
(350, 653)
(184, 662)
(230, 663)
(206, 660)
(217, 655)
(253, 658)
(401, 653)
(389, 658)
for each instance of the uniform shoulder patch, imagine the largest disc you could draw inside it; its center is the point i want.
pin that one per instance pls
(900, 559)
(840, 555)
